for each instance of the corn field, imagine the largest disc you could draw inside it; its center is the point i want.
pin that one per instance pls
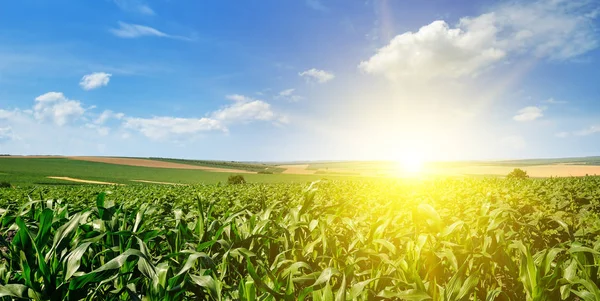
(447, 239)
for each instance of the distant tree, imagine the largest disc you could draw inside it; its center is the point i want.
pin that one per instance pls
(236, 179)
(5, 184)
(518, 173)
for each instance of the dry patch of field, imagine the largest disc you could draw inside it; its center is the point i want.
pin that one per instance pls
(156, 164)
(83, 181)
(297, 169)
(540, 171)
(557, 170)
(32, 157)
(154, 182)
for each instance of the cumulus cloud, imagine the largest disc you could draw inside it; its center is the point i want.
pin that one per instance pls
(244, 110)
(316, 75)
(60, 111)
(555, 30)
(135, 6)
(54, 106)
(130, 31)
(529, 113)
(94, 80)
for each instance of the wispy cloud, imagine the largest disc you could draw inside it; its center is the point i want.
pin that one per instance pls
(106, 115)
(130, 31)
(244, 110)
(316, 5)
(316, 75)
(588, 131)
(135, 6)
(554, 101)
(289, 95)
(94, 80)
(529, 113)
(515, 142)
(7, 133)
(164, 127)
(239, 98)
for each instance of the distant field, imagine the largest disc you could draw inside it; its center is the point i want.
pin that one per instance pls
(38, 170)
(27, 171)
(144, 162)
(255, 167)
(535, 167)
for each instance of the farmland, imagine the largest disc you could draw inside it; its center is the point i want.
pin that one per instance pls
(175, 230)
(35, 171)
(360, 239)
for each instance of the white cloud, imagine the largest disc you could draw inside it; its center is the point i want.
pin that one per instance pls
(320, 76)
(437, 50)
(6, 133)
(287, 92)
(159, 128)
(554, 29)
(130, 31)
(135, 6)
(289, 95)
(554, 101)
(244, 110)
(514, 142)
(94, 80)
(589, 131)
(56, 107)
(239, 98)
(316, 5)
(562, 134)
(106, 115)
(529, 113)
(101, 130)
(4, 114)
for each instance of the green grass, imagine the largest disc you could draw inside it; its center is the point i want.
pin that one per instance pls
(225, 164)
(25, 171)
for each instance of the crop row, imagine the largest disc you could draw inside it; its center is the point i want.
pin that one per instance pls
(453, 239)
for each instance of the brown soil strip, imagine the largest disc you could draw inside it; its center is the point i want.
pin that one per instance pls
(32, 157)
(154, 182)
(297, 169)
(556, 170)
(156, 164)
(83, 181)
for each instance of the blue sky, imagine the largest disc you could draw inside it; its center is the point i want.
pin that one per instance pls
(283, 80)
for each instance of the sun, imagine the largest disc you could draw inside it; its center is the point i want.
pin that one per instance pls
(409, 164)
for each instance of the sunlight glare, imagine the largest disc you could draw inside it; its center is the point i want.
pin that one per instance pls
(409, 164)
